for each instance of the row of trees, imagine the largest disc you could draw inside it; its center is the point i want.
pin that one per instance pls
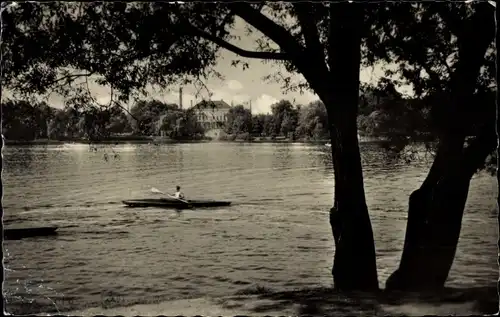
(308, 122)
(445, 50)
(155, 117)
(22, 120)
(383, 112)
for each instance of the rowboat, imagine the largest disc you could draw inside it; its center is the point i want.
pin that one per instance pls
(19, 233)
(174, 203)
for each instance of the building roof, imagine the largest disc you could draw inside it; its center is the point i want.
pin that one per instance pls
(219, 104)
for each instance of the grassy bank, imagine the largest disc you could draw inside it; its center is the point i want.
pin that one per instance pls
(310, 301)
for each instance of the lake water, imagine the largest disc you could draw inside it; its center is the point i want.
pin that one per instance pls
(276, 234)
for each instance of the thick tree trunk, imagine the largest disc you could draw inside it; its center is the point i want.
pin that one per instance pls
(436, 209)
(435, 215)
(354, 266)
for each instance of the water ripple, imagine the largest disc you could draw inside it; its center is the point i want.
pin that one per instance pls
(276, 233)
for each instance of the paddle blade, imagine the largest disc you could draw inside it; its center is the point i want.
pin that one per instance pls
(157, 191)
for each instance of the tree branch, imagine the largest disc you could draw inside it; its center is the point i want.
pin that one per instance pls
(70, 77)
(309, 29)
(190, 28)
(203, 86)
(275, 32)
(432, 74)
(126, 110)
(311, 69)
(239, 51)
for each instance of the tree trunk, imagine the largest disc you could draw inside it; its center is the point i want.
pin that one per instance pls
(354, 266)
(436, 209)
(435, 215)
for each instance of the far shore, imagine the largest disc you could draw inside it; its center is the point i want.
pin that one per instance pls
(157, 141)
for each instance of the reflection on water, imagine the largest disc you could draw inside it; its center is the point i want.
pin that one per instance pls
(276, 233)
(25, 162)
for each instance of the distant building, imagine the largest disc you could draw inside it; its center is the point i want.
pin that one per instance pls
(212, 114)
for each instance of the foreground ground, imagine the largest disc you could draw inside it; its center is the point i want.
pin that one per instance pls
(316, 302)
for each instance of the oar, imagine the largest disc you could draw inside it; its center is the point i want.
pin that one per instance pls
(157, 191)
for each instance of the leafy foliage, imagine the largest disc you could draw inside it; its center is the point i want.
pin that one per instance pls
(123, 45)
(181, 124)
(23, 121)
(130, 45)
(284, 117)
(309, 122)
(431, 45)
(146, 114)
(313, 122)
(239, 120)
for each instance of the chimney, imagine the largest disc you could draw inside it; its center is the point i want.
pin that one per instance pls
(180, 97)
(250, 106)
(191, 103)
(232, 103)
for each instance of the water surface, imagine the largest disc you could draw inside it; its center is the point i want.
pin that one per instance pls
(275, 235)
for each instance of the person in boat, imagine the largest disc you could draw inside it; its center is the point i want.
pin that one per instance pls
(178, 193)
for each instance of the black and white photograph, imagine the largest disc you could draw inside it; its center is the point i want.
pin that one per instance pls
(251, 158)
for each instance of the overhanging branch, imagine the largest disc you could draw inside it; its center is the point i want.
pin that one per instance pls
(68, 78)
(308, 26)
(309, 29)
(125, 109)
(313, 71)
(237, 50)
(275, 32)
(190, 28)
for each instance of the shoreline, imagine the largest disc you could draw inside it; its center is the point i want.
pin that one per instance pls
(168, 141)
(321, 301)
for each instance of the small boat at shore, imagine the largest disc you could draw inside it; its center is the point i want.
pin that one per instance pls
(20, 233)
(175, 203)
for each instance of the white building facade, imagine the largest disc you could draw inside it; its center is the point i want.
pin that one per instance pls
(212, 114)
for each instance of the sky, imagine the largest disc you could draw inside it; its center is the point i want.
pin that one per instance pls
(238, 87)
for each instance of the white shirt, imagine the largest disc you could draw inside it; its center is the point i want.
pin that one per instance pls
(179, 195)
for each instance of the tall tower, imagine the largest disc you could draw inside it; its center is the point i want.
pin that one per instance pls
(180, 97)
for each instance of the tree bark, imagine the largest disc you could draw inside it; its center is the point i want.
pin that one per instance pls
(354, 266)
(422, 261)
(436, 209)
(435, 217)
